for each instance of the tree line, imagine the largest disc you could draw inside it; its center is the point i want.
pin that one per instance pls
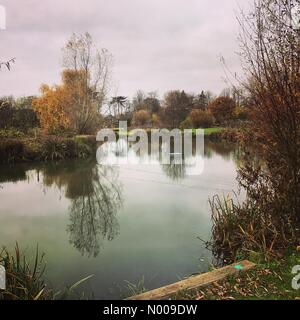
(178, 109)
(80, 104)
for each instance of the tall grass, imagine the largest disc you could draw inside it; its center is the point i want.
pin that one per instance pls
(240, 230)
(25, 279)
(133, 289)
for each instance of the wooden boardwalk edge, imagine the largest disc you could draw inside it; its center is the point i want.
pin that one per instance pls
(195, 282)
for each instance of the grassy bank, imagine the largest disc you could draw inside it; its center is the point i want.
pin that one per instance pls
(18, 147)
(45, 148)
(206, 130)
(268, 281)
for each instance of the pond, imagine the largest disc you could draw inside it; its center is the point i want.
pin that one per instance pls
(117, 223)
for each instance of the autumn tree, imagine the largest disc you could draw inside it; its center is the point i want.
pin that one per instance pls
(77, 95)
(222, 108)
(201, 119)
(177, 105)
(59, 107)
(51, 108)
(76, 104)
(93, 66)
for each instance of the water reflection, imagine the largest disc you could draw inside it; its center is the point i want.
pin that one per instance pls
(224, 149)
(95, 192)
(174, 171)
(96, 196)
(13, 174)
(227, 151)
(74, 210)
(93, 214)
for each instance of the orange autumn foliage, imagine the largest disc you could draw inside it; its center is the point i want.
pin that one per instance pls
(51, 109)
(59, 106)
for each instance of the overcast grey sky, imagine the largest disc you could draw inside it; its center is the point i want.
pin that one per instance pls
(157, 45)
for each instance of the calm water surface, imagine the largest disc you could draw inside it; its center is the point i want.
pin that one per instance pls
(116, 223)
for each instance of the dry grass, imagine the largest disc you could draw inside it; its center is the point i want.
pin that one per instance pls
(269, 281)
(239, 230)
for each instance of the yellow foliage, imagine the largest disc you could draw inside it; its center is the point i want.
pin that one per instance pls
(58, 106)
(51, 108)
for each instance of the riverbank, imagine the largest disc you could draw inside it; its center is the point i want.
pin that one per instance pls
(17, 148)
(215, 133)
(207, 131)
(45, 148)
(270, 280)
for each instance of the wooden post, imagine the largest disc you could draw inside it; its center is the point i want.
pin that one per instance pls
(195, 282)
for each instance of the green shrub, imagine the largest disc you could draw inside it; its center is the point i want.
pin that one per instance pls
(56, 148)
(85, 146)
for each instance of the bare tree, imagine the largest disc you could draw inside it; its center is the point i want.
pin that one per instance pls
(270, 50)
(80, 54)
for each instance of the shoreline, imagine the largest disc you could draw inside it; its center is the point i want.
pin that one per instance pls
(46, 148)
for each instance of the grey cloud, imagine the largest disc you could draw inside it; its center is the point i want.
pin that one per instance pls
(157, 45)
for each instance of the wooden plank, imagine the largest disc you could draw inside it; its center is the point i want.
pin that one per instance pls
(195, 282)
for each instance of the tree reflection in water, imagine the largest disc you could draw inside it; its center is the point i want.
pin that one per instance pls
(174, 171)
(96, 196)
(227, 151)
(93, 214)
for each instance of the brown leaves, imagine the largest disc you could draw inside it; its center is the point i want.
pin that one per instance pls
(222, 109)
(250, 285)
